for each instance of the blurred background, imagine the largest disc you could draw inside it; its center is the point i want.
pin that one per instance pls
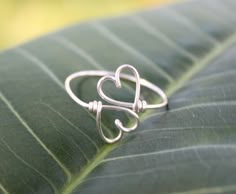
(22, 20)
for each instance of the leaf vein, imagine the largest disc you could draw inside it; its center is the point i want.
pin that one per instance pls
(212, 76)
(180, 128)
(69, 139)
(39, 63)
(29, 165)
(144, 25)
(79, 51)
(70, 123)
(27, 127)
(3, 189)
(184, 20)
(117, 41)
(210, 190)
(199, 105)
(213, 146)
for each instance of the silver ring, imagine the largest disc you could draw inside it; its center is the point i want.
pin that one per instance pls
(131, 108)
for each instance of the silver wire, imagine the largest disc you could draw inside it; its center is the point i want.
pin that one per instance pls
(118, 123)
(137, 106)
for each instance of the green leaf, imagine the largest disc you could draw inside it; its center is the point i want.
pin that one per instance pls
(49, 144)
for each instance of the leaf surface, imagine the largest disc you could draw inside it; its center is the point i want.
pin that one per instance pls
(48, 144)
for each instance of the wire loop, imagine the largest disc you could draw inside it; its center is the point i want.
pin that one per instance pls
(127, 107)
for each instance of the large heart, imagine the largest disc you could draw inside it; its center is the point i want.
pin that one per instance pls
(116, 80)
(118, 123)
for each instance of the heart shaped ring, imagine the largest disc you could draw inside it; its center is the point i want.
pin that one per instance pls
(116, 80)
(129, 108)
(138, 105)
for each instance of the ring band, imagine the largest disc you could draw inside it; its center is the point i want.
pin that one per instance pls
(92, 73)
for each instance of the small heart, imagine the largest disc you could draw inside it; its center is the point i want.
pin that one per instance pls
(117, 122)
(116, 79)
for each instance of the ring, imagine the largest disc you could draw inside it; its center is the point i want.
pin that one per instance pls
(131, 109)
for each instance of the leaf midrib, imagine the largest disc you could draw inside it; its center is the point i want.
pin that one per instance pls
(106, 149)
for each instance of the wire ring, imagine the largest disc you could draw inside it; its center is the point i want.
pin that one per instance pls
(137, 105)
(92, 73)
(131, 108)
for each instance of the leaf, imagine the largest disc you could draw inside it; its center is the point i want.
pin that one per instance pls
(48, 144)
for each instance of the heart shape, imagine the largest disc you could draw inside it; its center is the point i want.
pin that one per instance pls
(118, 123)
(97, 107)
(116, 79)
